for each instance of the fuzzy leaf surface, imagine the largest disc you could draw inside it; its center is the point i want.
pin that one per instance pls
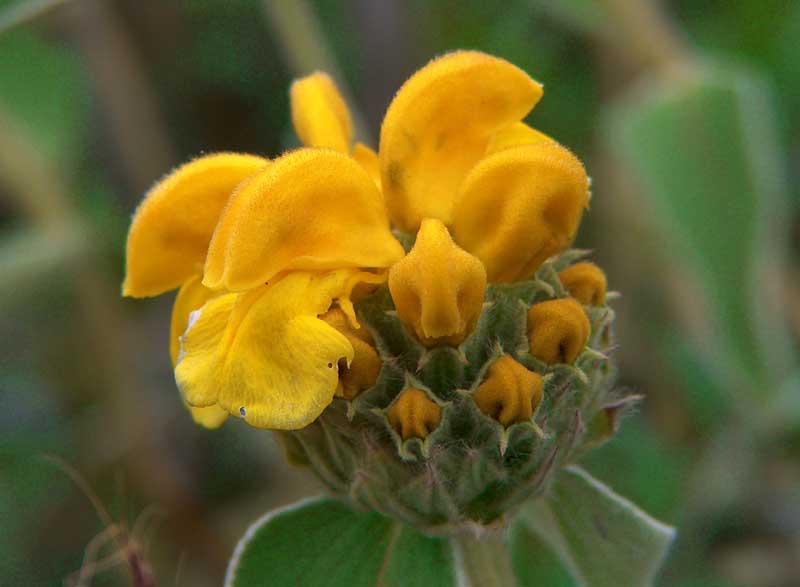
(322, 542)
(602, 538)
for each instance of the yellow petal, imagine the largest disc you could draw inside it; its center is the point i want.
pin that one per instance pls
(192, 296)
(557, 330)
(438, 287)
(516, 135)
(413, 414)
(210, 417)
(264, 355)
(438, 127)
(510, 393)
(520, 206)
(369, 161)
(320, 114)
(171, 228)
(585, 282)
(311, 209)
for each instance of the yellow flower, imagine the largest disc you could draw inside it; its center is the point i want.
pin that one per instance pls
(260, 250)
(267, 254)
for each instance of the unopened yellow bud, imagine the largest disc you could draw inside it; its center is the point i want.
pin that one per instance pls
(438, 287)
(511, 393)
(519, 206)
(585, 282)
(414, 414)
(366, 364)
(557, 330)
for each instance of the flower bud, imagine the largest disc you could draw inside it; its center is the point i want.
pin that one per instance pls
(557, 330)
(511, 393)
(414, 414)
(585, 282)
(366, 364)
(438, 287)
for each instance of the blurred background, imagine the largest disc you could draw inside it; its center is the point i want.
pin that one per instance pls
(687, 114)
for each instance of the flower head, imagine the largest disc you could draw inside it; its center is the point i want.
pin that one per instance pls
(270, 256)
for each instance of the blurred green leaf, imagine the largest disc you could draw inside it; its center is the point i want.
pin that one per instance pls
(31, 490)
(586, 16)
(604, 539)
(43, 89)
(706, 399)
(323, 542)
(704, 149)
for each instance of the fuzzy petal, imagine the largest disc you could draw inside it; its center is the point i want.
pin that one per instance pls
(172, 227)
(520, 206)
(312, 209)
(369, 161)
(192, 296)
(516, 135)
(320, 114)
(264, 355)
(438, 127)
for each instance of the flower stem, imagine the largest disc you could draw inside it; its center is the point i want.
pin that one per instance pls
(485, 560)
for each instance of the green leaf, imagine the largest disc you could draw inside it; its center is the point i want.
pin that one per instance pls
(44, 91)
(534, 563)
(704, 148)
(604, 539)
(323, 542)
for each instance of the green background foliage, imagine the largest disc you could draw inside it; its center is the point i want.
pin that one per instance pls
(693, 148)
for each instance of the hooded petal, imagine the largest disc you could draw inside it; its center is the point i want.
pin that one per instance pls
(264, 355)
(520, 206)
(192, 296)
(172, 227)
(438, 127)
(320, 114)
(516, 135)
(311, 209)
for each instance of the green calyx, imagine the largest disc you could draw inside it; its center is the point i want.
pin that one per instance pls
(469, 470)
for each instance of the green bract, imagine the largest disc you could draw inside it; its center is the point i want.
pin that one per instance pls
(470, 470)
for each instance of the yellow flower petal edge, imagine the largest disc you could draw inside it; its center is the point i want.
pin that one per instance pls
(312, 209)
(172, 227)
(264, 355)
(516, 135)
(369, 161)
(438, 287)
(192, 296)
(520, 206)
(319, 113)
(438, 126)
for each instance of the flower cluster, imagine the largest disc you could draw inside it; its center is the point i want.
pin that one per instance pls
(271, 255)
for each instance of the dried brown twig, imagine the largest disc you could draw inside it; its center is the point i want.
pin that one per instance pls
(129, 549)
